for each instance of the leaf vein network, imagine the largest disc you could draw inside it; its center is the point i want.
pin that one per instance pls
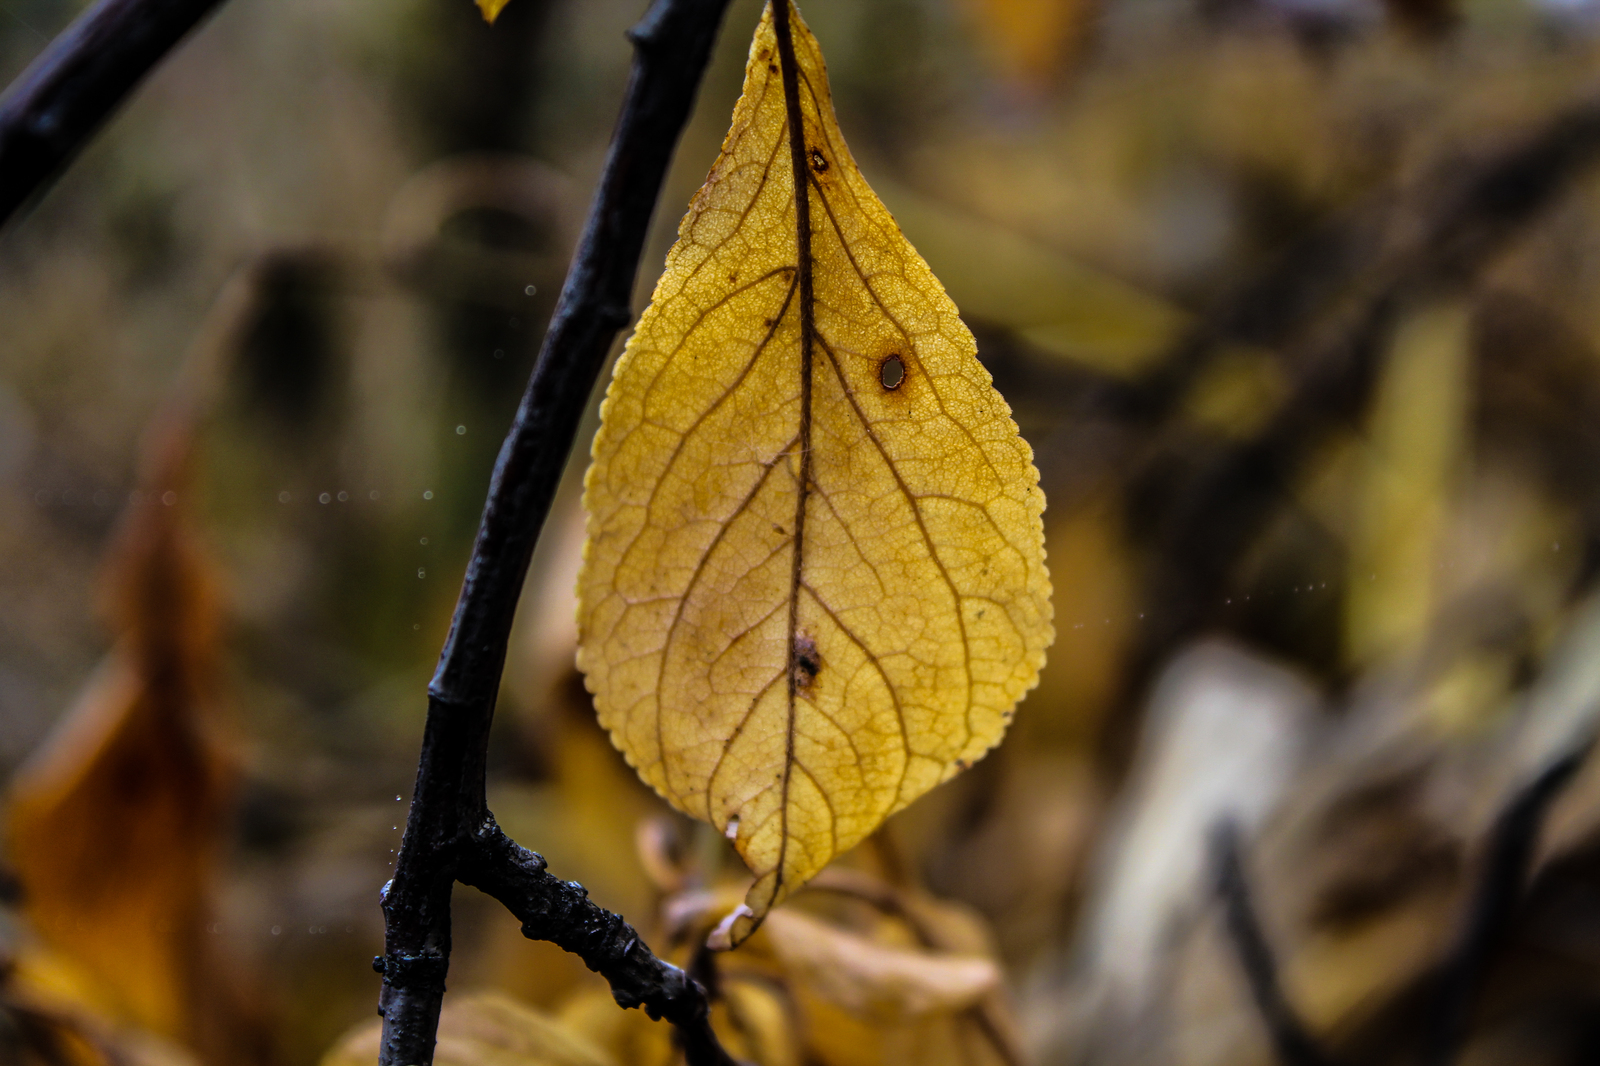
(694, 579)
(922, 527)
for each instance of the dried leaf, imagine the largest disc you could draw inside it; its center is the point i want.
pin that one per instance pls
(629, 1036)
(814, 585)
(759, 1021)
(873, 979)
(114, 824)
(38, 1037)
(36, 1031)
(487, 1029)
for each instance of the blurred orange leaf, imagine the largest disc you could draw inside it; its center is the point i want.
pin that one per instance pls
(113, 825)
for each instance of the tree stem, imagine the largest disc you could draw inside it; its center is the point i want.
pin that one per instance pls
(64, 96)
(450, 834)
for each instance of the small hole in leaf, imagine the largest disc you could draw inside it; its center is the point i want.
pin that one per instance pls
(892, 372)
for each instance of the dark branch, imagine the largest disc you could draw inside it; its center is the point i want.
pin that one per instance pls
(562, 913)
(1493, 904)
(445, 839)
(64, 96)
(1290, 1039)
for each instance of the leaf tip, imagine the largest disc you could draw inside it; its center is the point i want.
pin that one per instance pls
(734, 929)
(491, 9)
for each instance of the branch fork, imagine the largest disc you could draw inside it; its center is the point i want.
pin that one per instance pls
(450, 835)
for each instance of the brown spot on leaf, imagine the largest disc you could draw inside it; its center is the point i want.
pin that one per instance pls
(819, 162)
(807, 662)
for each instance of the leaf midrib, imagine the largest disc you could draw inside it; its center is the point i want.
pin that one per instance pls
(790, 72)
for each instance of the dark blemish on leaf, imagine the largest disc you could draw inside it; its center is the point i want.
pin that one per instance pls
(891, 372)
(772, 68)
(772, 322)
(819, 162)
(962, 764)
(732, 276)
(781, 531)
(807, 662)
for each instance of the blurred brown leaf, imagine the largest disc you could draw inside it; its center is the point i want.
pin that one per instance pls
(34, 1037)
(115, 822)
(39, 1027)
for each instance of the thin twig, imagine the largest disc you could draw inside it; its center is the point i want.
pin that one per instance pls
(64, 96)
(1291, 1040)
(562, 913)
(1493, 904)
(446, 836)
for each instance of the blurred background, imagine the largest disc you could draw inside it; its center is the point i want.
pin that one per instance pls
(1297, 301)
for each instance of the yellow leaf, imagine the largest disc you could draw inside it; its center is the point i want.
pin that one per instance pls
(758, 1022)
(814, 585)
(491, 9)
(628, 1036)
(1418, 430)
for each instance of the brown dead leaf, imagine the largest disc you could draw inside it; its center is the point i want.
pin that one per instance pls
(38, 1030)
(874, 979)
(114, 823)
(40, 1038)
